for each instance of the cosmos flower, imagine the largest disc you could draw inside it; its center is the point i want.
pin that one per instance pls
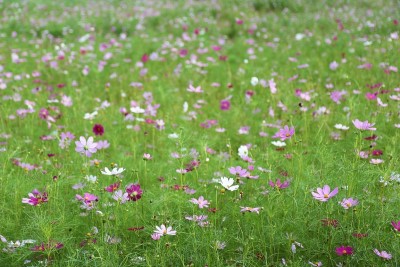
(163, 230)
(86, 147)
(323, 194)
(278, 184)
(396, 225)
(134, 192)
(225, 105)
(348, 203)
(35, 198)
(383, 254)
(363, 125)
(98, 129)
(114, 171)
(201, 202)
(342, 250)
(228, 184)
(284, 133)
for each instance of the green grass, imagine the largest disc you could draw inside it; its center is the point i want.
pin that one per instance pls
(34, 30)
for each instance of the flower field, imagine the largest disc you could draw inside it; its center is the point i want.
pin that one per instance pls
(199, 133)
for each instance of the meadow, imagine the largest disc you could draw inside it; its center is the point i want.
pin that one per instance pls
(199, 133)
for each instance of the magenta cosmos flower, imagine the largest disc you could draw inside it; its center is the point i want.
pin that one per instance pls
(342, 250)
(134, 192)
(396, 225)
(363, 125)
(98, 129)
(35, 198)
(278, 184)
(284, 133)
(323, 194)
(225, 105)
(86, 147)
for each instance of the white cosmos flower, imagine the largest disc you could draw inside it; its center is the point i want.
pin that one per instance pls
(114, 171)
(243, 151)
(254, 81)
(278, 143)
(137, 110)
(228, 183)
(341, 127)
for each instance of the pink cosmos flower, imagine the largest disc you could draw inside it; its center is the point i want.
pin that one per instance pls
(348, 203)
(201, 202)
(86, 147)
(163, 230)
(278, 184)
(155, 236)
(323, 194)
(363, 125)
(120, 196)
(383, 254)
(239, 171)
(87, 200)
(284, 133)
(35, 198)
(342, 250)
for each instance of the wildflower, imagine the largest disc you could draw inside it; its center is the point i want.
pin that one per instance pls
(86, 147)
(12, 246)
(225, 105)
(113, 187)
(114, 171)
(376, 161)
(163, 230)
(348, 203)
(91, 178)
(87, 200)
(341, 127)
(239, 171)
(66, 138)
(243, 151)
(155, 236)
(284, 133)
(254, 81)
(248, 209)
(278, 143)
(134, 192)
(278, 184)
(98, 129)
(383, 254)
(147, 156)
(342, 250)
(193, 89)
(364, 125)
(120, 196)
(323, 194)
(228, 183)
(396, 225)
(201, 202)
(35, 198)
